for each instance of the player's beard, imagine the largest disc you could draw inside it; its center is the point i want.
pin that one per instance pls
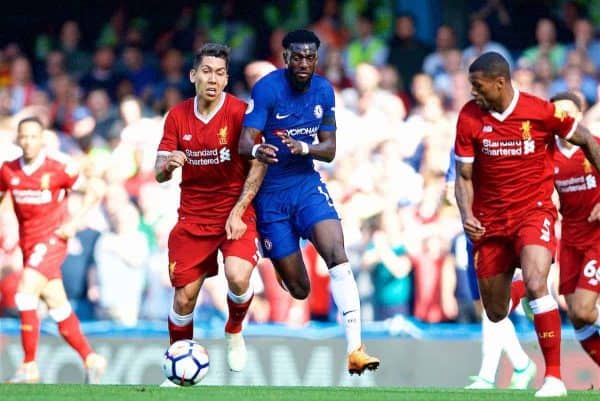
(300, 86)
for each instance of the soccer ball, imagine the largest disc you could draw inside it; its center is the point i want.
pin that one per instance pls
(185, 363)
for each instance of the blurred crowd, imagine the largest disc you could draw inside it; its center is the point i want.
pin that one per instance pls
(400, 77)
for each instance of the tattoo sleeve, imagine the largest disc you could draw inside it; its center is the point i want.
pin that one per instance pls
(584, 138)
(251, 186)
(160, 173)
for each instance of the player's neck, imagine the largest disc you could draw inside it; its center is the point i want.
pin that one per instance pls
(31, 160)
(206, 107)
(505, 101)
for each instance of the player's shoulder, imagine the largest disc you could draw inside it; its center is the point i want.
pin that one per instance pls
(62, 162)
(182, 108)
(471, 110)
(235, 102)
(527, 100)
(271, 81)
(321, 83)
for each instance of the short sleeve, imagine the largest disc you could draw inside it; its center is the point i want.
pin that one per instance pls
(463, 145)
(169, 141)
(557, 121)
(3, 186)
(259, 105)
(328, 109)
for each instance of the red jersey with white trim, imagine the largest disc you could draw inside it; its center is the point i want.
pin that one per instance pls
(512, 157)
(214, 174)
(576, 181)
(38, 191)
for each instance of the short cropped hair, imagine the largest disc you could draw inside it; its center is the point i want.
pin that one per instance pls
(492, 64)
(212, 50)
(568, 96)
(300, 36)
(30, 119)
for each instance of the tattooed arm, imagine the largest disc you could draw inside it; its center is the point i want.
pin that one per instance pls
(235, 227)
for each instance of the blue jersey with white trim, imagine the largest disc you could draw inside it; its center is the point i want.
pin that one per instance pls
(276, 108)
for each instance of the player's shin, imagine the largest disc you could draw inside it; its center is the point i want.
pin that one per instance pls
(590, 341)
(30, 324)
(238, 307)
(181, 327)
(546, 320)
(345, 295)
(70, 329)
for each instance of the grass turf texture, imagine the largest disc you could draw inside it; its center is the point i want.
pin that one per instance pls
(76, 392)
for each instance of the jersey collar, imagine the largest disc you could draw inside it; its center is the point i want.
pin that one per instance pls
(567, 152)
(32, 167)
(511, 107)
(209, 117)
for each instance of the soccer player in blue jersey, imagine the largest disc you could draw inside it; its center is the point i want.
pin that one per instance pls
(294, 111)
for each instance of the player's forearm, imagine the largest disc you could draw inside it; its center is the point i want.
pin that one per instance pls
(94, 191)
(247, 141)
(160, 169)
(323, 151)
(463, 190)
(589, 145)
(251, 186)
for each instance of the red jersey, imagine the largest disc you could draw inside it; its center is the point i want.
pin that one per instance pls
(576, 181)
(512, 155)
(38, 191)
(214, 174)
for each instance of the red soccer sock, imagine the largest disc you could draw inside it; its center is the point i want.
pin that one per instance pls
(30, 333)
(591, 345)
(517, 292)
(237, 313)
(70, 330)
(547, 327)
(177, 333)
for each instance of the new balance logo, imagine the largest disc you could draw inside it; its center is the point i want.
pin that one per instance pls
(282, 116)
(224, 155)
(487, 128)
(187, 137)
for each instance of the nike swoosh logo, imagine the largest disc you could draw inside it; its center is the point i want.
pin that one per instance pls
(350, 311)
(281, 117)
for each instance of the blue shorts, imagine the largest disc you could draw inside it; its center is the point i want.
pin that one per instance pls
(286, 216)
(471, 274)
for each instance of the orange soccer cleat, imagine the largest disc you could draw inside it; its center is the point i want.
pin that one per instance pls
(359, 360)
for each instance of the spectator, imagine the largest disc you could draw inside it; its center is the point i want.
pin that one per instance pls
(480, 42)
(366, 48)
(545, 34)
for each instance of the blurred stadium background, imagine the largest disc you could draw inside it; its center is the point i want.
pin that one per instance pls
(102, 75)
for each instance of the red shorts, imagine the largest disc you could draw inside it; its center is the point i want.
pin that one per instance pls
(191, 255)
(500, 253)
(579, 268)
(46, 257)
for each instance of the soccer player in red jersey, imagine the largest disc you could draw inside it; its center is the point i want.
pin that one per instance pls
(201, 137)
(38, 183)
(504, 149)
(576, 182)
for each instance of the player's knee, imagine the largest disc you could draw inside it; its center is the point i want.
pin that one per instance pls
(582, 312)
(536, 287)
(334, 256)
(184, 304)
(238, 284)
(299, 291)
(496, 313)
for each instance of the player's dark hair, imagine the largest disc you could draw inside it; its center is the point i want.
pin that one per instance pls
(568, 96)
(212, 50)
(30, 119)
(492, 64)
(300, 36)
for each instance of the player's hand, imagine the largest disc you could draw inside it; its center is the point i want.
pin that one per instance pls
(66, 231)
(595, 214)
(175, 160)
(473, 228)
(266, 153)
(293, 145)
(235, 227)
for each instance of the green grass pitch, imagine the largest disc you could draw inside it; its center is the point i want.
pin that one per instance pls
(73, 392)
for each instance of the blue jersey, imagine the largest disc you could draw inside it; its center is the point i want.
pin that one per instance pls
(275, 107)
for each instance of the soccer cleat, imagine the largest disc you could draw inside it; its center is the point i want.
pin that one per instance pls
(479, 383)
(552, 387)
(520, 380)
(236, 351)
(95, 365)
(359, 360)
(28, 372)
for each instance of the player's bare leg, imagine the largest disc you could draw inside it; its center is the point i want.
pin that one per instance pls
(239, 298)
(328, 238)
(292, 273)
(535, 263)
(181, 316)
(69, 327)
(584, 313)
(27, 300)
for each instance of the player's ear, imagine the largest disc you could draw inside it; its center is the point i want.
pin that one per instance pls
(286, 56)
(193, 76)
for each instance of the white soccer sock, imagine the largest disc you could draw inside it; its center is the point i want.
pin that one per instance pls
(242, 298)
(585, 332)
(511, 345)
(180, 320)
(345, 295)
(491, 349)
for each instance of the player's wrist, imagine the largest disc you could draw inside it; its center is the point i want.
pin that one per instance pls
(305, 149)
(254, 150)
